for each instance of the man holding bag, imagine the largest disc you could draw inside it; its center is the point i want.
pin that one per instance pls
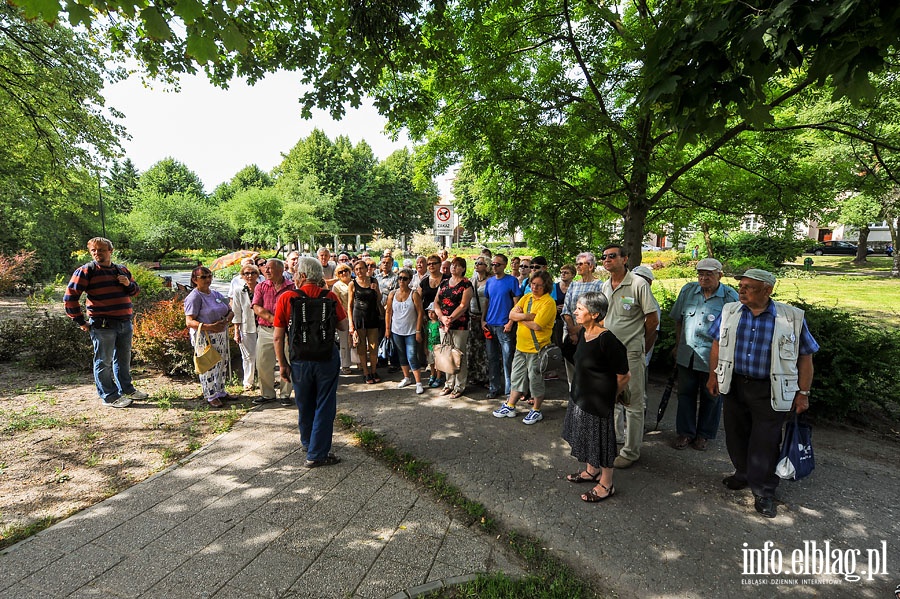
(761, 362)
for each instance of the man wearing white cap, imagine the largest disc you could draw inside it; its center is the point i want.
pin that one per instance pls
(761, 362)
(699, 303)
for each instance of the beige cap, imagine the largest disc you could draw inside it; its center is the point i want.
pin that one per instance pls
(643, 271)
(709, 264)
(758, 274)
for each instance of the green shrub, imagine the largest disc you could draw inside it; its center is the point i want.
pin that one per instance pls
(676, 272)
(228, 273)
(149, 281)
(856, 365)
(738, 265)
(161, 338)
(12, 338)
(53, 341)
(773, 250)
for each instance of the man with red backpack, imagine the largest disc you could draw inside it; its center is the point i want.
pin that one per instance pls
(309, 317)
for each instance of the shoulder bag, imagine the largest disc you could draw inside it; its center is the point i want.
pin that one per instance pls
(447, 358)
(205, 355)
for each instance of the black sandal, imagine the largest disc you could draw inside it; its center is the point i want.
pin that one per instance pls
(592, 497)
(577, 478)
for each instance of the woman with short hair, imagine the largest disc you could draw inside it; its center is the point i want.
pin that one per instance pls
(453, 298)
(600, 375)
(245, 321)
(341, 289)
(207, 312)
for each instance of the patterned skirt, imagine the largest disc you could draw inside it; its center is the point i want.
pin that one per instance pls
(592, 438)
(476, 354)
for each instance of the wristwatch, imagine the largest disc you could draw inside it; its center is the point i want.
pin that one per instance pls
(802, 392)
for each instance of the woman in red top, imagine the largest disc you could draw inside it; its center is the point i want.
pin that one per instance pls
(452, 301)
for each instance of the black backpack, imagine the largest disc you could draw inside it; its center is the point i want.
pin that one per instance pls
(312, 328)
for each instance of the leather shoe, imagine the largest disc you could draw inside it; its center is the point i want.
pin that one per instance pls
(700, 444)
(622, 463)
(765, 506)
(733, 483)
(681, 442)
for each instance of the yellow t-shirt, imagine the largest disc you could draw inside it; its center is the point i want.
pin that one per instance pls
(544, 309)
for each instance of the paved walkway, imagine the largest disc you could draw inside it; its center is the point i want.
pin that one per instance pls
(244, 518)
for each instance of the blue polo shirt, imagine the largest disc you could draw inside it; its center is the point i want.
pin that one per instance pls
(501, 294)
(696, 313)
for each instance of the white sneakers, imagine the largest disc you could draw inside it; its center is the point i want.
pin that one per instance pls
(406, 382)
(420, 389)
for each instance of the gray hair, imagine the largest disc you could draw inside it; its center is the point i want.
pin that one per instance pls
(589, 256)
(312, 268)
(407, 272)
(595, 303)
(322, 250)
(277, 262)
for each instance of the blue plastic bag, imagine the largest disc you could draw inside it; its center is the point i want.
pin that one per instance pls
(797, 460)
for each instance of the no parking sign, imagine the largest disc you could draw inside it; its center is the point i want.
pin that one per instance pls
(443, 220)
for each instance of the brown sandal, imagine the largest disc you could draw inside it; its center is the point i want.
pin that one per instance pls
(592, 496)
(215, 403)
(578, 478)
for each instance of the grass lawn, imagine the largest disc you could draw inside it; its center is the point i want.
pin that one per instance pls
(877, 298)
(845, 264)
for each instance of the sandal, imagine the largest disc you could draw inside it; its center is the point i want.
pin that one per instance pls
(375, 377)
(446, 391)
(215, 402)
(369, 379)
(592, 497)
(578, 478)
(456, 395)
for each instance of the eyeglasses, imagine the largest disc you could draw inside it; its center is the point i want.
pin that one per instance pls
(247, 274)
(524, 266)
(404, 278)
(582, 264)
(433, 263)
(204, 276)
(612, 256)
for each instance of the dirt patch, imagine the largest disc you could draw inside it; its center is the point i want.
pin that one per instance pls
(61, 451)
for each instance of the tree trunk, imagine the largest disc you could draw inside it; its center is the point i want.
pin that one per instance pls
(707, 239)
(633, 229)
(862, 246)
(892, 226)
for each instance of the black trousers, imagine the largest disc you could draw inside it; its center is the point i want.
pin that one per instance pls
(753, 433)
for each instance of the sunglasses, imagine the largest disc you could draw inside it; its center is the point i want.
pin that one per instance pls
(404, 279)
(582, 264)
(204, 276)
(496, 264)
(247, 274)
(480, 264)
(612, 256)
(433, 263)
(524, 266)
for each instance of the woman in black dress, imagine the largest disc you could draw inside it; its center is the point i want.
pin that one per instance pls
(601, 374)
(364, 300)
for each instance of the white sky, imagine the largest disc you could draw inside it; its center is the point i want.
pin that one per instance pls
(217, 132)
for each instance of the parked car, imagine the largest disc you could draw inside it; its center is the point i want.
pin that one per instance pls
(836, 247)
(889, 250)
(646, 247)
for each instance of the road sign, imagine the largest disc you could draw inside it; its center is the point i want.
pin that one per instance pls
(443, 220)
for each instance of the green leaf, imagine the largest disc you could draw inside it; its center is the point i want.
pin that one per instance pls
(78, 14)
(48, 10)
(234, 39)
(188, 10)
(201, 48)
(156, 25)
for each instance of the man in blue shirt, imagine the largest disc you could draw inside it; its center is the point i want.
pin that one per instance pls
(699, 303)
(502, 293)
(761, 361)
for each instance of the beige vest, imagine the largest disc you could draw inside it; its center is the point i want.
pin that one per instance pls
(785, 352)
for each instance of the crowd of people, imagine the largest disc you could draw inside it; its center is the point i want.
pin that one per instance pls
(740, 353)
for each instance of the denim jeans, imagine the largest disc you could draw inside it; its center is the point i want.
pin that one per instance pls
(405, 346)
(500, 352)
(112, 358)
(315, 392)
(690, 421)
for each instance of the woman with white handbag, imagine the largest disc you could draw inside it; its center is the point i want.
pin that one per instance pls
(453, 298)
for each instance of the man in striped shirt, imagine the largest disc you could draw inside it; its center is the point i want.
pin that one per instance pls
(109, 289)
